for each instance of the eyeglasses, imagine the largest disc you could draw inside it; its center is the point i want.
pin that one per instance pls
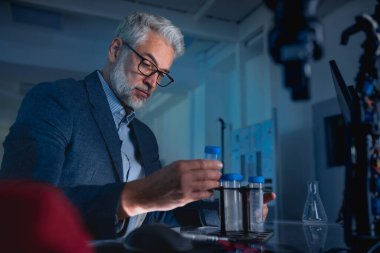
(148, 68)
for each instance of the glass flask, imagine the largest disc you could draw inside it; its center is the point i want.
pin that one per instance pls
(313, 212)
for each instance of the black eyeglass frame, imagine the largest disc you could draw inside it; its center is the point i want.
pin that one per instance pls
(171, 80)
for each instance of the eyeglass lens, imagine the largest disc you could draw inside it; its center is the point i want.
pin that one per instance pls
(147, 68)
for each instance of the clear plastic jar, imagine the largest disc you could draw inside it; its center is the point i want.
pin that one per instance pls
(232, 201)
(256, 202)
(212, 152)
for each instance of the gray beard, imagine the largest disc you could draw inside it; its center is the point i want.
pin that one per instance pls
(122, 88)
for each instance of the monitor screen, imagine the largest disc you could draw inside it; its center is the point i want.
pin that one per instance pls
(345, 98)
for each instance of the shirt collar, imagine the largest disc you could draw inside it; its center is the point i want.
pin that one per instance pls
(117, 110)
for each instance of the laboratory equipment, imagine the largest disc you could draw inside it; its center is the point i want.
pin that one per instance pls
(231, 202)
(255, 203)
(314, 211)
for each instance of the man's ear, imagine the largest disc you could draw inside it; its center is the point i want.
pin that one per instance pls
(114, 49)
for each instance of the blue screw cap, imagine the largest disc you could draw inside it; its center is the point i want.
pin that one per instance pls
(232, 177)
(256, 179)
(212, 150)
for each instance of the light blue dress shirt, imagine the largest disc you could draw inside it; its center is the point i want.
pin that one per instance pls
(132, 169)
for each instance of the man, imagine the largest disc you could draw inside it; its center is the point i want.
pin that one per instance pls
(82, 136)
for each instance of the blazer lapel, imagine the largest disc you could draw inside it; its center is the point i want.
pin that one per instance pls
(143, 144)
(104, 119)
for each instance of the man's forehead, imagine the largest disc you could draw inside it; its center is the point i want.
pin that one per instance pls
(157, 49)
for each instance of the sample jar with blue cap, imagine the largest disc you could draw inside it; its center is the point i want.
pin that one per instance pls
(256, 200)
(232, 201)
(212, 152)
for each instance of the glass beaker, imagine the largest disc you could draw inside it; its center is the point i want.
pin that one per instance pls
(313, 212)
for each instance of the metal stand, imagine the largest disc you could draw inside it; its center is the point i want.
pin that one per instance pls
(362, 194)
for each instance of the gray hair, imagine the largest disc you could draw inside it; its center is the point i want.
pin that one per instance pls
(135, 27)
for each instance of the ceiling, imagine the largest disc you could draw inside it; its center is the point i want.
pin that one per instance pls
(72, 36)
(207, 20)
(210, 19)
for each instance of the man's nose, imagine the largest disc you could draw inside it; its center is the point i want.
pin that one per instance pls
(151, 80)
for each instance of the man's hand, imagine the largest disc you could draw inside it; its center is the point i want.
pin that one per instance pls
(269, 196)
(173, 186)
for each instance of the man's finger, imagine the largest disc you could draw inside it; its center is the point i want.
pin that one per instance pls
(201, 195)
(269, 196)
(205, 164)
(204, 175)
(204, 185)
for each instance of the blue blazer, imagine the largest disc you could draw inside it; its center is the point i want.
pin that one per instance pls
(65, 135)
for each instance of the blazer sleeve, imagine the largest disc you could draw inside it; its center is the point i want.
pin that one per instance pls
(36, 143)
(35, 149)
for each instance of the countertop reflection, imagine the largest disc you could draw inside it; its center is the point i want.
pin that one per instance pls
(288, 236)
(294, 236)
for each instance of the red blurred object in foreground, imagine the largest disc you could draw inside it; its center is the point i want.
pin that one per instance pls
(36, 217)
